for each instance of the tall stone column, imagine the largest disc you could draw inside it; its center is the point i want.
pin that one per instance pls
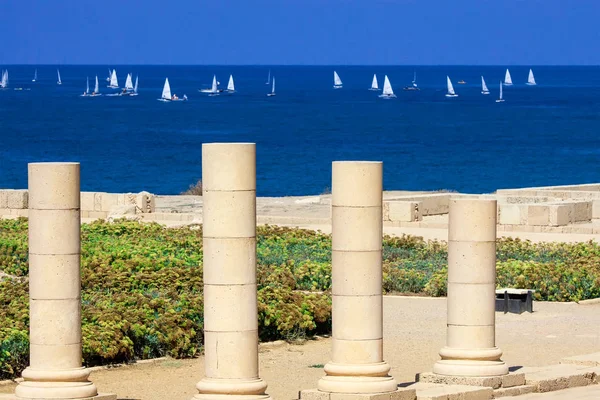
(471, 338)
(55, 370)
(357, 364)
(230, 292)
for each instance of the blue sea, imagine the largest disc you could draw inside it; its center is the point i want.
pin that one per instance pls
(543, 135)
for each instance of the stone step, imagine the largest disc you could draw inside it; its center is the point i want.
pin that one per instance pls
(589, 360)
(560, 376)
(513, 391)
(432, 391)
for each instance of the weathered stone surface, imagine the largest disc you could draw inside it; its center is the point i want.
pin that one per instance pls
(429, 391)
(495, 382)
(17, 199)
(313, 394)
(513, 391)
(100, 396)
(124, 211)
(558, 377)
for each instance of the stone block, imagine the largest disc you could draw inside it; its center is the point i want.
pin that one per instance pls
(405, 211)
(558, 377)
(3, 199)
(451, 392)
(17, 199)
(514, 391)
(111, 201)
(5, 211)
(590, 360)
(583, 211)
(495, 382)
(98, 201)
(596, 209)
(19, 212)
(509, 214)
(87, 201)
(538, 215)
(97, 214)
(400, 394)
(560, 215)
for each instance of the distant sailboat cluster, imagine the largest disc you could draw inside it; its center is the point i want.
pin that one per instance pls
(130, 89)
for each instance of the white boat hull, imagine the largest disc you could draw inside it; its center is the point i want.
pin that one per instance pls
(387, 96)
(500, 101)
(270, 94)
(451, 95)
(337, 86)
(485, 92)
(112, 87)
(531, 84)
(507, 84)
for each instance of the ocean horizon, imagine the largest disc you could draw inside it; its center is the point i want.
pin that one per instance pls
(541, 135)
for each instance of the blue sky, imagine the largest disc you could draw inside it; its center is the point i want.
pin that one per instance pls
(527, 32)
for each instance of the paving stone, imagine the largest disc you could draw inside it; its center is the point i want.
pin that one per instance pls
(590, 360)
(514, 391)
(558, 377)
(431, 391)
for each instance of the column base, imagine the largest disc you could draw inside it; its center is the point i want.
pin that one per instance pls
(56, 384)
(470, 368)
(357, 378)
(232, 389)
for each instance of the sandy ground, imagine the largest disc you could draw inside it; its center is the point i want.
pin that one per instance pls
(414, 331)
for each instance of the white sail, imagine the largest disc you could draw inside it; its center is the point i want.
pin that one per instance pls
(507, 78)
(374, 84)
(214, 88)
(268, 78)
(500, 91)
(484, 88)
(87, 85)
(337, 82)
(4, 81)
(109, 75)
(387, 87)
(450, 87)
(59, 80)
(414, 82)
(230, 85)
(273, 87)
(531, 79)
(34, 76)
(128, 83)
(166, 93)
(135, 88)
(97, 87)
(114, 83)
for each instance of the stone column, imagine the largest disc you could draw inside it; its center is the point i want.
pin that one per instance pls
(55, 370)
(230, 297)
(357, 364)
(471, 339)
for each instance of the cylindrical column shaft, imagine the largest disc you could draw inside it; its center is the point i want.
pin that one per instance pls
(471, 342)
(230, 292)
(357, 364)
(55, 369)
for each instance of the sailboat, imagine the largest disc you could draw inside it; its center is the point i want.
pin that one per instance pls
(507, 79)
(337, 82)
(166, 93)
(108, 76)
(230, 85)
(484, 88)
(451, 92)
(500, 99)
(128, 83)
(135, 87)
(413, 85)
(114, 83)
(268, 82)
(4, 81)
(388, 92)
(272, 89)
(87, 88)
(34, 76)
(96, 91)
(531, 79)
(58, 82)
(214, 89)
(374, 84)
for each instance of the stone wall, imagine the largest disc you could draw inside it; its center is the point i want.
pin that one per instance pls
(15, 203)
